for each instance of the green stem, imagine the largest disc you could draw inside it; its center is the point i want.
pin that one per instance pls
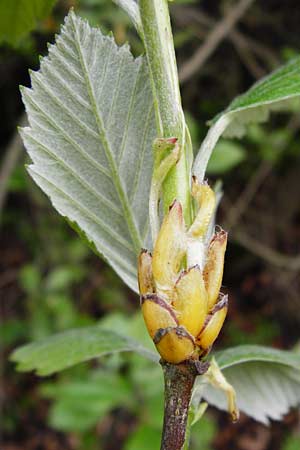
(179, 382)
(159, 46)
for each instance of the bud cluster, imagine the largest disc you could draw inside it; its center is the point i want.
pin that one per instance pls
(180, 283)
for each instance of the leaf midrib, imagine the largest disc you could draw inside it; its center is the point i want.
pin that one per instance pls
(134, 233)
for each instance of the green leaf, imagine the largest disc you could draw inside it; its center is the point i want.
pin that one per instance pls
(266, 381)
(146, 437)
(18, 17)
(72, 347)
(278, 91)
(132, 9)
(195, 413)
(204, 433)
(249, 353)
(225, 157)
(292, 442)
(90, 138)
(80, 404)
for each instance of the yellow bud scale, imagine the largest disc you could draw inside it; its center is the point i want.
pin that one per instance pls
(179, 303)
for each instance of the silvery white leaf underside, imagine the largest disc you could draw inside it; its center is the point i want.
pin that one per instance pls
(92, 125)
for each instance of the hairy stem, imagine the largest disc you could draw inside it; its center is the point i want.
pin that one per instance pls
(159, 46)
(179, 382)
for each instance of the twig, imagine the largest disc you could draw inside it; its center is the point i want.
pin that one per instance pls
(213, 40)
(241, 205)
(179, 382)
(268, 254)
(260, 50)
(184, 15)
(9, 162)
(246, 55)
(240, 42)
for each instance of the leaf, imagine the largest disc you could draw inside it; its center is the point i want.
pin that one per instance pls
(249, 353)
(71, 347)
(80, 404)
(278, 91)
(92, 125)
(226, 156)
(292, 442)
(18, 17)
(132, 9)
(264, 391)
(266, 381)
(196, 412)
(145, 437)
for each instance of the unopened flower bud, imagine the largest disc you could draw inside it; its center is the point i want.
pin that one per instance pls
(190, 302)
(178, 298)
(213, 270)
(206, 199)
(169, 249)
(174, 344)
(214, 324)
(157, 314)
(145, 276)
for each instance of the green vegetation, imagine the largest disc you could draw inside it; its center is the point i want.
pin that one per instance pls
(64, 287)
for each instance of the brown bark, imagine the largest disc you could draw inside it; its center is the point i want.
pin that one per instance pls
(179, 382)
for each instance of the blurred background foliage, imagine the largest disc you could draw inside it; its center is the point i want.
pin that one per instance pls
(50, 281)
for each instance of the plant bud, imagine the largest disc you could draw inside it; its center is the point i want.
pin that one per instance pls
(214, 324)
(169, 249)
(190, 303)
(213, 270)
(174, 344)
(206, 199)
(157, 314)
(178, 296)
(145, 276)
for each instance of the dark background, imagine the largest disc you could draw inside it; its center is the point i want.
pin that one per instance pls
(49, 280)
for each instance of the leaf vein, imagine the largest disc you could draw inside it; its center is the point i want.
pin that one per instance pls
(115, 236)
(76, 175)
(69, 139)
(64, 108)
(128, 118)
(51, 69)
(141, 155)
(134, 232)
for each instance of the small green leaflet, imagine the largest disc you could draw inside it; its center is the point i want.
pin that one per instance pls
(71, 347)
(266, 381)
(18, 17)
(278, 91)
(92, 125)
